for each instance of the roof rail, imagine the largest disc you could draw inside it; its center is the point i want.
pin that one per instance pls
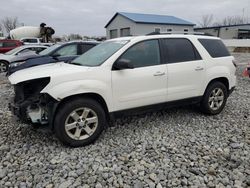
(177, 32)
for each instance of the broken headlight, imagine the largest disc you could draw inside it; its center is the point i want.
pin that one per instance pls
(30, 88)
(16, 64)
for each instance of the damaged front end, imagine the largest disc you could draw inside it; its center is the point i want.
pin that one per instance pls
(29, 104)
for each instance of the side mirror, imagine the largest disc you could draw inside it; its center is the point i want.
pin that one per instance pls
(123, 64)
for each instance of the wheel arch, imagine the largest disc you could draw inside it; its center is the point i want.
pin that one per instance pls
(93, 96)
(223, 80)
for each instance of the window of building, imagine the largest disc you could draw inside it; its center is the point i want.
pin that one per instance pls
(215, 47)
(157, 29)
(185, 30)
(142, 54)
(125, 32)
(169, 30)
(113, 33)
(180, 50)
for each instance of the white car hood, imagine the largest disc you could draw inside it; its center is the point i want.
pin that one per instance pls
(48, 70)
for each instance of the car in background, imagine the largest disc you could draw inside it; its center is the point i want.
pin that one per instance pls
(59, 52)
(7, 45)
(19, 52)
(246, 72)
(34, 40)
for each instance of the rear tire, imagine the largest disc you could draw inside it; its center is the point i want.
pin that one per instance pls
(3, 66)
(79, 122)
(214, 99)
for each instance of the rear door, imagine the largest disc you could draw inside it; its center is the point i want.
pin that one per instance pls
(185, 68)
(146, 83)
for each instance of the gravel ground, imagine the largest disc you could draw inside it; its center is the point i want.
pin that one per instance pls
(178, 147)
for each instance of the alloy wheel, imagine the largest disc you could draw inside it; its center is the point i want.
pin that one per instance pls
(216, 99)
(81, 123)
(3, 67)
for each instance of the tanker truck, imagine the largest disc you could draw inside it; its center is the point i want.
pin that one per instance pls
(26, 32)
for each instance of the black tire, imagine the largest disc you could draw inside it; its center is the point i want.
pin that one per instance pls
(3, 64)
(63, 115)
(205, 106)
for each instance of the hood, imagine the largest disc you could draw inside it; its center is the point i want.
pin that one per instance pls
(48, 70)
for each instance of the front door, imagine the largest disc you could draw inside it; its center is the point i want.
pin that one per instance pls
(146, 83)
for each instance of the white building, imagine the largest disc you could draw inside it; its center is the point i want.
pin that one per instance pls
(241, 31)
(132, 24)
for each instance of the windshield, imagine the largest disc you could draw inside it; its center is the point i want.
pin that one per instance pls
(12, 52)
(100, 53)
(50, 49)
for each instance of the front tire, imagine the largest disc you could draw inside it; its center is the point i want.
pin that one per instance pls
(3, 66)
(214, 99)
(79, 122)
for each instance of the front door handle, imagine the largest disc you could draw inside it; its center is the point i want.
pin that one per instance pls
(199, 68)
(159, 73)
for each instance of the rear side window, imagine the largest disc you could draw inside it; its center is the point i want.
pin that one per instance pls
(215, 47)
(9, 44)
(180, 50)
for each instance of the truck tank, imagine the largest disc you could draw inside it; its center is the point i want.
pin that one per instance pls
(25, 31)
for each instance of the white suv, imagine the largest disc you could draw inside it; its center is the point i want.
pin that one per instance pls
(122, 74)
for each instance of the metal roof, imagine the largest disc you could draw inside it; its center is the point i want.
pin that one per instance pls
(152, 19)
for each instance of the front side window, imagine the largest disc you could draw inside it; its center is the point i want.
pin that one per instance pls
(142, 54)
(180, 50)
(68, 50)
(1, 44)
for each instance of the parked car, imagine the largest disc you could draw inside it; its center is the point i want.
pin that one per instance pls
(123, 75)
(7, 45)
(19, 52)
(33, 40)
(58, 52)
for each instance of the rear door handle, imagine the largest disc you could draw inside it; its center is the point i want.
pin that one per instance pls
(159, 73)
(199, 68)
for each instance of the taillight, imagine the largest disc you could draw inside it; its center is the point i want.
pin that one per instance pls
(234, 62)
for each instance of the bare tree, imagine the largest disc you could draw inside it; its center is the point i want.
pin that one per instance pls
(234, 20)
(10, 23)
(206, 20)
